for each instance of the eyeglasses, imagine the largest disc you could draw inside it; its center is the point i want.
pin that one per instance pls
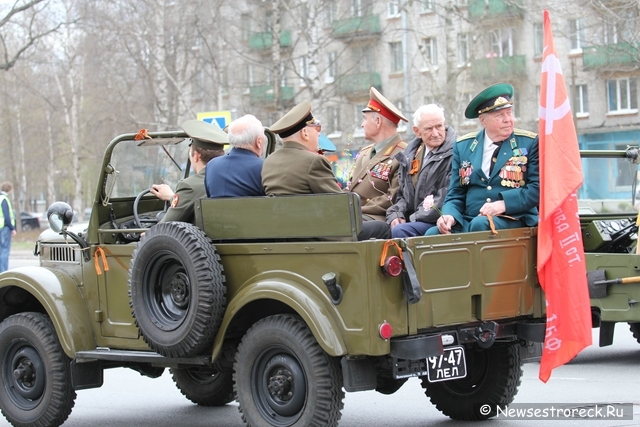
(315, 123)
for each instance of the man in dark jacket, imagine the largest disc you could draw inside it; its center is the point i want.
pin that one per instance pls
(425, 170)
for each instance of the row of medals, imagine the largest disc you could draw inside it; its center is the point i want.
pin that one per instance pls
(512, 173)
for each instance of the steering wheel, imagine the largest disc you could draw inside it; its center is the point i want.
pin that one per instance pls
(136, 217)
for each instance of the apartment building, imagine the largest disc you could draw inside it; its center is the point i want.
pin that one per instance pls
(442, 51)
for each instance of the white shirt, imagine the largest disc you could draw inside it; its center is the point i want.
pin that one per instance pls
(487, 153)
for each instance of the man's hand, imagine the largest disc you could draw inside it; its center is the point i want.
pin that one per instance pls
(444, 223)
(13, 232)
(493, 208)
(162, 192)
(397, 221)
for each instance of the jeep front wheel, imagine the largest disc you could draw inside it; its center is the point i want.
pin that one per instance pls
(205, 386)
(493, 377)
(35, 386)
(284, 378)
(177, 289)
(635, 330)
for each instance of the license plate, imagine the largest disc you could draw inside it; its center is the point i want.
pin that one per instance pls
(450, 365)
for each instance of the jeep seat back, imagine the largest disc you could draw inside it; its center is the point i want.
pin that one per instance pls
(301, 217)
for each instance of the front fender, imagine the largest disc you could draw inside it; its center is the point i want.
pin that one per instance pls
(305, 303)
(58, 293)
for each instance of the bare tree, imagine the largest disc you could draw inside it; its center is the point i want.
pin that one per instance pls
(21, 28)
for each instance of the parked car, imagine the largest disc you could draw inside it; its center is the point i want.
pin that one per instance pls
(29, 221)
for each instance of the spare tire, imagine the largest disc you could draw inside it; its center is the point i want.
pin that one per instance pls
(177, 290)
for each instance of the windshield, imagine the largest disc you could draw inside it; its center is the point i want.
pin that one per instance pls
(139, 164)
(609, 186)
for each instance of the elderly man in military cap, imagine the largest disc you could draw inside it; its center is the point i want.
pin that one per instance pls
(374, 176)
(494, 179)
(297, 168)
(207, 142)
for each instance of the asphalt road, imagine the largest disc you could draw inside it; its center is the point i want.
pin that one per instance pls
(597, 375)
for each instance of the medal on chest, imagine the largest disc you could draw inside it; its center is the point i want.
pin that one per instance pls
(513, 172)
(381, 171)
(466, 169)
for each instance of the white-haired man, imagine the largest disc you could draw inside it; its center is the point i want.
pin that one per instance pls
(425, 170)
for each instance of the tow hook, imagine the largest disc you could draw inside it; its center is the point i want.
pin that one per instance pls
(485, 334)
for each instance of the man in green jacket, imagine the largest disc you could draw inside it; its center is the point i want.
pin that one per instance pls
(7, 225)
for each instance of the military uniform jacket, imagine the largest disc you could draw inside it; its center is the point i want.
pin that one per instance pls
(188, 191)
(433, 178)
(470, 188)
(375, 179)
(295, 170)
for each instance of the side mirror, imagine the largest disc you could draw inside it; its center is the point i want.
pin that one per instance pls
(59, 216)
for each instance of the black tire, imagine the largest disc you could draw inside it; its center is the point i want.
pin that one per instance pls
(493, 377)
(635, 330)
(205, 386)
(177, 289)
(284, 378)
(388, 385)
(26, 227)
(35, 377)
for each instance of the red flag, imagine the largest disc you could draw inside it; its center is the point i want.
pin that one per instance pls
(561, 263)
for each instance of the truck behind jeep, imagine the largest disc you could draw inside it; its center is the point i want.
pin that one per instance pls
(268, 301)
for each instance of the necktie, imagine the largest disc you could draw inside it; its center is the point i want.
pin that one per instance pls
(494, 156)
(373, 152)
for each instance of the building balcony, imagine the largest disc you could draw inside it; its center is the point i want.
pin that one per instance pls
(494, 9)
(265, 94)
(611, 55)
(354, 85)
(261, 41)
(499, 67)
(357, 27)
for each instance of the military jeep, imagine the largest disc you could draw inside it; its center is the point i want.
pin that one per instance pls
(609, 221)
(270, 301)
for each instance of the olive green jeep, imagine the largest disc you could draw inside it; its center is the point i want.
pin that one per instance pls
(609, 220)
(268, 301)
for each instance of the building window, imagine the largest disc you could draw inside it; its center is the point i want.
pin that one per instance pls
(332, 67)
(304, 71)
(430, 51)
(364, 59)
(616, 32)
(249, 77)
(427, 6)
(501, 42)
(245, 30)
(580, 100)
(463, 48)
(538, 39)
(576, 33)
(361, 7)
(393, 8)
(329, 12)
(333, 119)
(622, 95)
(396, 57)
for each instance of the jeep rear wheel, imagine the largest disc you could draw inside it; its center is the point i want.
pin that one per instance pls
(177, 289)
(635, 330)
(205, 386)
(284, 378)
(35, 378)
(493, 377)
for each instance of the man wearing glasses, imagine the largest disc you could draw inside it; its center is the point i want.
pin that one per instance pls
(374, 176)
(297, 168)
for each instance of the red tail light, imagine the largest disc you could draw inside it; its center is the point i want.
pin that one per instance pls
(392, 266)
(385, 330)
